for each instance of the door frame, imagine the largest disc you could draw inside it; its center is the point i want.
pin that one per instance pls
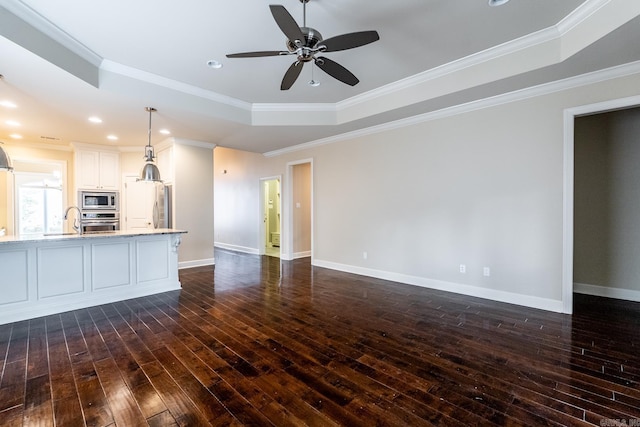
(262, 239)
(568, 186)
(286, 238)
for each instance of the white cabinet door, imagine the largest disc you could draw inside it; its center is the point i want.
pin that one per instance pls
(98, 170)
(109, 171)
(87, 168)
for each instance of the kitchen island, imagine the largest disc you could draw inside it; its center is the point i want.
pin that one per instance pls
(48, 274)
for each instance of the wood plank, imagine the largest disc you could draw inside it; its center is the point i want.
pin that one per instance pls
(259, 341)
(38, 407)
(37, 357)
(121, 400)
(178, 403)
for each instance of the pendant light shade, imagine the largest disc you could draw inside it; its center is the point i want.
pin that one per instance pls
(5, 161)
(150, 171)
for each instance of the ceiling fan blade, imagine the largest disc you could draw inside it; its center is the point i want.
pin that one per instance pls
(349, 41)
(287, 24)
(291, 75)
(336, 71)
(257, 54)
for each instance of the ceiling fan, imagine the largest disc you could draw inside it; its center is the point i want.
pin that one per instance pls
(305, 42)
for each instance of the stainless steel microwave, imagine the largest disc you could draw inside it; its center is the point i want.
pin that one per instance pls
(98, 200)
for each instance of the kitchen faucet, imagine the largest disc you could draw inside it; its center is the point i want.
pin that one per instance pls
(77, 223)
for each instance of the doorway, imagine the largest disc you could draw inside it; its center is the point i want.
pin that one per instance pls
(271, 216)
(570, 116)
(298, 242)
(607, 204)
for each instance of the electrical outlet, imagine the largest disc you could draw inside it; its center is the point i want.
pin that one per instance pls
(486, 271)
(463, 268)
(365, 255)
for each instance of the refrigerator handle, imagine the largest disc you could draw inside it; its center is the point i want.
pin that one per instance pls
(156, 215)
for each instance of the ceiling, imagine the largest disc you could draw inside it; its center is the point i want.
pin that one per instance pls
(66, 60)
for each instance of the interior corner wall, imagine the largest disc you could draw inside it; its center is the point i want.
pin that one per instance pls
(237, 198)
(482, 188)
(193, 201)
(607, 201)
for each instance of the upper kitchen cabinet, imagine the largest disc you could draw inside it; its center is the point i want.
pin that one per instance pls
(97, 169)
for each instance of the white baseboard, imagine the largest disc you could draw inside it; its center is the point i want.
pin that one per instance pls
(604, 291)
(304, 254)
(458, 288)
(247, 250)
(196, 263)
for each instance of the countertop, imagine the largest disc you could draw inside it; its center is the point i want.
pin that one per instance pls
(94, 235)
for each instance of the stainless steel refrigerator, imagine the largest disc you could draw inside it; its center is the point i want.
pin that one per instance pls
(162, 203)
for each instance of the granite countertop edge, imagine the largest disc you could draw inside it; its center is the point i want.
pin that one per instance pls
(95, 235)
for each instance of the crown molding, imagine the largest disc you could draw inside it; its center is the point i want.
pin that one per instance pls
(145, 76)
(519, 95)
(42, 24)
(548, 41)
(580, 14)
(87, 146)
(40, 145)
(194, 143)
(290, 107)
(131, 149)
(525, 42)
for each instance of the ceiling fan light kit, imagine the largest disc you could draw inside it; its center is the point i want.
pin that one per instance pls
(305, 42)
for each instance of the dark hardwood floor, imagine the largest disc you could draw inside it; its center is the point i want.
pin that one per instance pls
(256, 341)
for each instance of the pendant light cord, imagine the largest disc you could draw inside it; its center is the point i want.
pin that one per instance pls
(149, 149)
(149, 131)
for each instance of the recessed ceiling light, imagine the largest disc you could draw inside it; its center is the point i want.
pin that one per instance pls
(214, 64)
(16, 136)
(112, 137)
(165, 131)
(497, 2)
(94, 119)
(12, 123)
(8, 104)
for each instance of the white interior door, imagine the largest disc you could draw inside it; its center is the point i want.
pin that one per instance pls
(138, 206)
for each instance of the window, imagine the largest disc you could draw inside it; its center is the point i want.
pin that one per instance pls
(39, 202)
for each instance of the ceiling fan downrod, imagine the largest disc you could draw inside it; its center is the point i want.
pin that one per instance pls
(304, 12)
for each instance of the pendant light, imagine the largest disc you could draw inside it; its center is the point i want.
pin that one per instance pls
(5, 161)
(149, 171)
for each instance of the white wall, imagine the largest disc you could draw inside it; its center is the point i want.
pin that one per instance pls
(193, 202)
(237, 198)
(607, 203)
(301, 182)
(482, 188)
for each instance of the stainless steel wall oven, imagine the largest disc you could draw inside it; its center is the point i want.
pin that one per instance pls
(100, 211)
(100, 221)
